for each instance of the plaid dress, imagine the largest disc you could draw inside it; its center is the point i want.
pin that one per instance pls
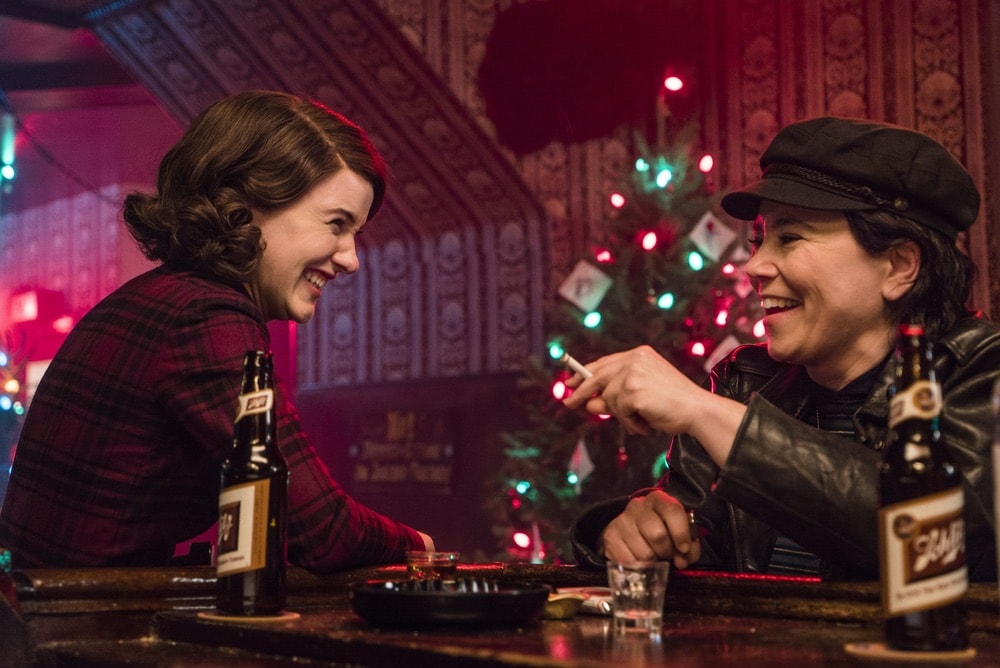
(119, 455)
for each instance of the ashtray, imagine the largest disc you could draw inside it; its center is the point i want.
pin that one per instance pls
(460, 602)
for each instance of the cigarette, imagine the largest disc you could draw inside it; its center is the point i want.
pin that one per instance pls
(568, 360)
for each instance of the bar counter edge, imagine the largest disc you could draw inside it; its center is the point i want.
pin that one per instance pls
(119, 604)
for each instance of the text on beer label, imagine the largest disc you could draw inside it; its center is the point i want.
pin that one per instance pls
(243, 520)
(252, 403)
(922, 547)
(920, 400)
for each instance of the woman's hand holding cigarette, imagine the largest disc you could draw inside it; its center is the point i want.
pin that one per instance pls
(644, 391)
(575, 366)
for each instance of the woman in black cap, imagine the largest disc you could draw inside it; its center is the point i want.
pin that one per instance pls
(854, 233)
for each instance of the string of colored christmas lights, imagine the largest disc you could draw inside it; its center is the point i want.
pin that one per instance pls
(669, 273)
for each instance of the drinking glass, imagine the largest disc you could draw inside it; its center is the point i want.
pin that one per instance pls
(432, 565)
(637, 593)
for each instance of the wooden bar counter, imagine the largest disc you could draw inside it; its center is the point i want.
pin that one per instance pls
(140, 617)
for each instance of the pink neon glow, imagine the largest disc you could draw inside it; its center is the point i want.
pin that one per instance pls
(63, 324)
(760, 577)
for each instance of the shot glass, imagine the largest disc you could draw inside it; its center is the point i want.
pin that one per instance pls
(432, 565)
(637, 593)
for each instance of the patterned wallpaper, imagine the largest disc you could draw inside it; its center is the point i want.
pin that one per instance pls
(912, 62)
(916, 63)
(70, 245)
(454, 264)
(457, 268)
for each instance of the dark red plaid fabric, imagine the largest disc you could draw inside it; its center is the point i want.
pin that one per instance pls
(120, 452)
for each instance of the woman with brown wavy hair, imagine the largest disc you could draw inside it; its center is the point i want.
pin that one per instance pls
(256, 210)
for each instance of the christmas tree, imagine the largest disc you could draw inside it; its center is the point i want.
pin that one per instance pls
(668, 273)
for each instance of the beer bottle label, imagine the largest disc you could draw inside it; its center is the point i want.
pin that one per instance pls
(252, 403)
(922, 544)
(921, 400)
(243, 527)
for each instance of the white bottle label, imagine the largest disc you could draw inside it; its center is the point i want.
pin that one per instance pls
(243, 527)
(923, 552)
(921, 400)
(252, 403)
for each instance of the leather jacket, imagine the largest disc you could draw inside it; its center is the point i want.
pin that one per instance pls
(818, 488)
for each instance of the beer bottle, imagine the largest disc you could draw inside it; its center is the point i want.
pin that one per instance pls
(252, 503)
(921, 516)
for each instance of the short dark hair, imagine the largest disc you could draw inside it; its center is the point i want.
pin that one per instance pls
(939, 296)
(258, 150)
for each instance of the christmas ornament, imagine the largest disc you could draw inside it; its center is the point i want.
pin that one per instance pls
(580, 464)
(585, 286)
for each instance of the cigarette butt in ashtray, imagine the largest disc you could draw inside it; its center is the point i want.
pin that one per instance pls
(569, 361)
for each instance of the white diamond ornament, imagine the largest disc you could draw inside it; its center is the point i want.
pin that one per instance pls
(585, 286)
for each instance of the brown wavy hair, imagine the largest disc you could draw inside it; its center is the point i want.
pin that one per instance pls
(258, 150)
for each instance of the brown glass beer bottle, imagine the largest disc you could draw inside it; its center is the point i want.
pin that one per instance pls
(253, 501)
(921, 515)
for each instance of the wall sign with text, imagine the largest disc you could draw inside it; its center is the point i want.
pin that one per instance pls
(404, 451)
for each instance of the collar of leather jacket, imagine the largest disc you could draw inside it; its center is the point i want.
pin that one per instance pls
(788, 387)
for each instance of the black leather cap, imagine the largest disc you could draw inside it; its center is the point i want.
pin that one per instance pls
(840, 164)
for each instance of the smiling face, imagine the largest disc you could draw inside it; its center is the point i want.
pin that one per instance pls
(308, 244)
(823, 295)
